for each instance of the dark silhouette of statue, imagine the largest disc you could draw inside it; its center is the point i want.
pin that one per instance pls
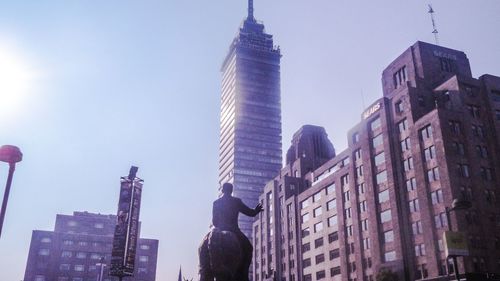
(226, 253)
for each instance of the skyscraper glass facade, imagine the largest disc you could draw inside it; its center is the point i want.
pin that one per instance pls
(250, 134)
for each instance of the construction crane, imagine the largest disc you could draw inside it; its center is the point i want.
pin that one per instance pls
(434, 31)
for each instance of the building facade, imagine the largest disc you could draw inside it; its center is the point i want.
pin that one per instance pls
(381, 203)
(250, 123)
(78, 246)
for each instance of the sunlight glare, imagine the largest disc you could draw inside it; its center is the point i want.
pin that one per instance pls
(16, 80)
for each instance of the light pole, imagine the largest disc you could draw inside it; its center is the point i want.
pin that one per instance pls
(456, 205)
(9, 154)
(101, 265)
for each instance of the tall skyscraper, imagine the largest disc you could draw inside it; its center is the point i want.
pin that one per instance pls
(250, 121)
(79, 246)
(384, 202)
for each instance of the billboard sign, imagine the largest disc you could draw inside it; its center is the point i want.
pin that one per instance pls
(455, 244)
(127, 226)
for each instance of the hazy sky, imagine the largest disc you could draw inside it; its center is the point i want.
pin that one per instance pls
(88, 88)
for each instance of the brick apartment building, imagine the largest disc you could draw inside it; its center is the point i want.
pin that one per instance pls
(74, 249)
(380, 203)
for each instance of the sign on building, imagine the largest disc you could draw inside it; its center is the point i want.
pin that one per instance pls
(455, 244)
(127, 226)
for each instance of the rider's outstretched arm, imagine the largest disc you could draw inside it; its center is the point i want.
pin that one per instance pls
(249, 211)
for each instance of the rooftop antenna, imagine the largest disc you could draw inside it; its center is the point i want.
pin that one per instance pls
(434, 31)
(250, 10)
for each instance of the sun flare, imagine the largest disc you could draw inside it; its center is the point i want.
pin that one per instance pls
(16, 80)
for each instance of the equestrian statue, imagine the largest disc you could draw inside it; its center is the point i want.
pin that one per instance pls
(226, 253)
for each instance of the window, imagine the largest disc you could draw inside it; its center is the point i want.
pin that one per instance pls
(364, 225)
(455, 126)
(317, 197)
(344, 180)
(331, 205)
(482, 151)
(383, 196)
(81, 255)
(377, 141)
(144, 247)
(440, 220)
(390, 256)
(463, 170)
(430, 153)
(319, 258)
(399, 77)
(67, 242)
(348, 213)
(405, 144)
(433, 174)
(335, 253)
(381, 177)
(306, 247)
(375, 124)
(305, 232)
(304, 204)
(414, 206)
(306, 262)
(143, 258)
(474, 111)
(363, 206)
(95, 256)
(399, 106)
(318, 227)
(388, 236)
(426, 132)
(458, 147)
(355, 138)
(334, 271)
(39, 278)
(83, 243)
(45, 240)
(71, 223)
(348, 230)
(416, 227)
(420, 250)
(142, 270)
(359, 171)
(99, 225)
(347, 196)
(305, 217)
(361, 188)
(318, 211)
(320, 275)
(411, 184)
(64, 267)
(43, 252)
(379, 159)
(385, 216)
(330, 189)
(366, 243)
(478, 131)
(332, 221)
(332, 237)
(79, 267)
(486, 174)
(408, 164)
(318, 242)
(357, 155)
(437, 197)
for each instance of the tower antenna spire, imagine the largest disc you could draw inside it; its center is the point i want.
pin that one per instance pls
(250, 10)
(434, 31)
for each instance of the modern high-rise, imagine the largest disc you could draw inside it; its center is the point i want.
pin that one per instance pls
(250, 120)
(434, 137)
(77, 248)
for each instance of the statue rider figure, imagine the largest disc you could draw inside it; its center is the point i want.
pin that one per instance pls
(225, 217)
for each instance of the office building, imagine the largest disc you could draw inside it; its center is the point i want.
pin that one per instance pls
(381, 203)
(77, 247)
(250, 120)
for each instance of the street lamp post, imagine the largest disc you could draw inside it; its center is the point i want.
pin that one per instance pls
(9, 154)
(456, 205)
(101, 265)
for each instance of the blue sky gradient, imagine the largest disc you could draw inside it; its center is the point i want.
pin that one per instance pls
(120, 83)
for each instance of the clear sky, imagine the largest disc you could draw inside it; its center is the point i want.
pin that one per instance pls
(88, 88)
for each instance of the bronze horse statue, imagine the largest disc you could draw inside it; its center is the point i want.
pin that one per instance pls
(220, 256)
